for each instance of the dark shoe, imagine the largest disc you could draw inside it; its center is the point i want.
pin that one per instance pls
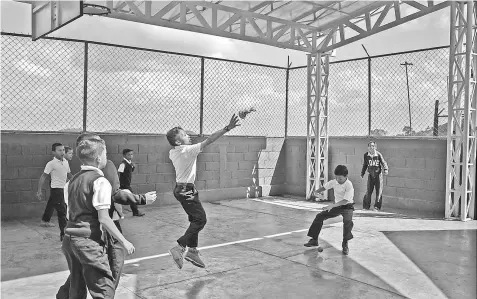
(61, 237)
(376, 209)
(345, 247)
(311, 243)
(177, 254)
(192, 256)
(139, 214)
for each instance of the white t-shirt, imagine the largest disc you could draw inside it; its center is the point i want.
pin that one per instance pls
(342, 191)
(58, 171)
(184, 159)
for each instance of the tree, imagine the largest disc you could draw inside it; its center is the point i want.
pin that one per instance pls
(379, 132)
(408, 131)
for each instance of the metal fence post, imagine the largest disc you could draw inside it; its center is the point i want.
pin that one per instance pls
(85, 86)
(286, 95)
(369, 96)
(202, 71)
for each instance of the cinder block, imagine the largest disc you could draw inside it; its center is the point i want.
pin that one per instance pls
(266, 172)
(243, 165)
(274, 156)
(234, 157)
(255, 147)
(396, 182)
(17, 161)
(225, 175)
(201, 165)
(164, 187)
(165, 168)
(134, 147)
(435, 164)
(35, 149)
(200, 185)
(146, 169)
(155, 158)
(354, 160)
(232, 166)
(231, 183)
(441, 152)
(437, 185)
(9, 173)
(395, 162)
(267, 164)
(212, 184)
(30, 172)
(9, 197)
(241, 148)
(140, 159)
(208, 157)
(139, 178)
(26, 196)
(347, 150)
(251, 156)
(240, 174)
(337, 159)
(144, 188)
(416, 163)
(212, 166)
(18, 185)
(416, 184)
(154, 178)
(14, 149)
(208, 175)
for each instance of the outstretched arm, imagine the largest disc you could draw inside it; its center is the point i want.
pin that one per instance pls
(232, 124)
(126, 197)
(384, 164)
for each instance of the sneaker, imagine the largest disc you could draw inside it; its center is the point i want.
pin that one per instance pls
(192, 256)
(139, 214)
(47, 224)
(177, 254)
(345, 247)
(376, 209)
(311, 243)
(61, 237)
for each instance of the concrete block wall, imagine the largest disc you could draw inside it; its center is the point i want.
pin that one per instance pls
(416, 179)
(233, 167)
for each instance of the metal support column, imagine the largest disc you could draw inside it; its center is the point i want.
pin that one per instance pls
(317, 122)
(462, 118)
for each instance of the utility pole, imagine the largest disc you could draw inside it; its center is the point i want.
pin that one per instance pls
(408, 96)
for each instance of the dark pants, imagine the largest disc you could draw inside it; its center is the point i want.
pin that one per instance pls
(345, 211)
(188, 196)
(133, 206)
(375, 181)
(89, 267)
(116, 256)
(56, 202)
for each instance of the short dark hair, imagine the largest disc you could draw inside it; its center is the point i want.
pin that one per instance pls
(86, 136)
(55, 145)
(375, 144)
(67, 149)
(127, 150)
(88, 150)
(341, 170)
(171, 135)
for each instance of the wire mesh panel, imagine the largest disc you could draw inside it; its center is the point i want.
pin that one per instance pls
(138, 91)
(230, 87)
(297, 89)
(42, 84)
(348, 98)
(405, 104)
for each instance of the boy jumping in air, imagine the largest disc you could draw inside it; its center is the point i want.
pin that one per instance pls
(184, 158)
(344, 193)
(376, 165)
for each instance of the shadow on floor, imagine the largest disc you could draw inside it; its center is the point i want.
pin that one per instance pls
(447, 257)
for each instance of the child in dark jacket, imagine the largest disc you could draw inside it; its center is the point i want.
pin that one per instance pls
(375, 164)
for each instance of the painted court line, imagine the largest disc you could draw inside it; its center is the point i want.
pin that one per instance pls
(137, 260)
(288, 205)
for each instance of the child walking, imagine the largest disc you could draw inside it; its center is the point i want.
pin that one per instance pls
(58, 170)
(344, 193)
(125, 170)
(184, 158)
(88, 195)
(376, 165)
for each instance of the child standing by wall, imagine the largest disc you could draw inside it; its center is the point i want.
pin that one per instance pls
(125, 170)
(376, 165)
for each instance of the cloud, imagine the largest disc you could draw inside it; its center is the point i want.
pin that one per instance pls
(32, 69)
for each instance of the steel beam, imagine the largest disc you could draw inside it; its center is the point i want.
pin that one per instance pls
(365, 29)
(462, 116)
(317, 122)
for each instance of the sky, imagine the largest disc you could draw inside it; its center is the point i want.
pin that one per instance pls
(155, 91)
(429, 31)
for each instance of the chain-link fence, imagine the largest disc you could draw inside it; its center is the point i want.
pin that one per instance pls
(401, 103)
(130, 90)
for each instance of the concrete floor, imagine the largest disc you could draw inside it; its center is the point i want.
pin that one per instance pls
(253, 248)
